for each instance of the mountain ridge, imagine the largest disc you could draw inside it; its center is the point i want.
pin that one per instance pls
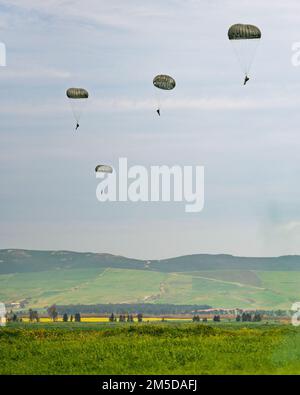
(26, 260)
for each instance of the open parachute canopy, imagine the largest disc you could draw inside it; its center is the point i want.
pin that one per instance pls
(103, 169)
(243, 32)
(164, 82)
(77, 93)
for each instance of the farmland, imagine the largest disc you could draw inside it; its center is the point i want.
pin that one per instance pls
(44, 278)
(182, 348)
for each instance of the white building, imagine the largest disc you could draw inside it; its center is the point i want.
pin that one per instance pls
(2, 314)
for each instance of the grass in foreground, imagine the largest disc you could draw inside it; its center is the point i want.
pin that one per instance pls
(150, 349)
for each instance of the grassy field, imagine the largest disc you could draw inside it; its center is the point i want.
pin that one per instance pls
(227, 288)
(43, 278)
(231, 348)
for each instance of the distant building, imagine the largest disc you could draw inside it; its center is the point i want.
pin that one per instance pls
(2, 314)
(21, 304)
(220, 310)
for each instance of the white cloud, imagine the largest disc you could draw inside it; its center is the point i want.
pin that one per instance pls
(33, 73)
(123, 104)
(113, 13)
(290, 227)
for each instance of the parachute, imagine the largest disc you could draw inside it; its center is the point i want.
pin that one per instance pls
(103, 169)
(165, 83)
(77, 97)
(245, 40)
(77, 93)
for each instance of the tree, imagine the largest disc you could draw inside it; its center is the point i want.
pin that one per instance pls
(246, 317)
(217, 318)
(112, 317)
(33, 316)
(77, 317)
(140, 317)
(122, 318)
(65, 317)
(30, 315)
(257, 317)
(71, 318)
(238, 318)
(52, 312)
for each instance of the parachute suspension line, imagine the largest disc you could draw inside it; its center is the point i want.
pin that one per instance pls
(254, 54)
(238, 54)
(78, 107)
(245, 52)
(157, 94)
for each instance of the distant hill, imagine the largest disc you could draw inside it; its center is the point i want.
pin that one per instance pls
(227, 262)
(22, 261)
(41, 278)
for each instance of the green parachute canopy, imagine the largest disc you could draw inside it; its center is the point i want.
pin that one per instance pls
(164, 82)
(103, 169)
(77, 93)
(243, 32)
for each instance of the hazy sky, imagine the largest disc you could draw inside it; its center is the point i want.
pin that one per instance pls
(248, 138)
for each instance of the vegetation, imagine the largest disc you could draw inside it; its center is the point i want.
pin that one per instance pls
(113, 348)
(37, 279)
(141, 287)
(133, 308)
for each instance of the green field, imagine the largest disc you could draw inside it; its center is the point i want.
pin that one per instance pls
(267, 290)
(136, 349)
(60, 277)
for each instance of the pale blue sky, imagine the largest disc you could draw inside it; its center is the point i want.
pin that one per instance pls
(247, 138)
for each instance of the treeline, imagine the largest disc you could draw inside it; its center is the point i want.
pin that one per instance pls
(248, 317)
(135, 308)
(244, 317)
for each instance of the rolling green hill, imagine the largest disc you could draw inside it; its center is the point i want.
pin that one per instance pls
(62, 277)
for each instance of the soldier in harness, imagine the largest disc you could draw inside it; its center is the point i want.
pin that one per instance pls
(246, 80)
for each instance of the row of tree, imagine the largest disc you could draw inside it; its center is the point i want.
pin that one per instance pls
(248, 317)
(12, 317)
(125, 318)
(76, 317)
(244, 317)
(53, 314)
(133, 308)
